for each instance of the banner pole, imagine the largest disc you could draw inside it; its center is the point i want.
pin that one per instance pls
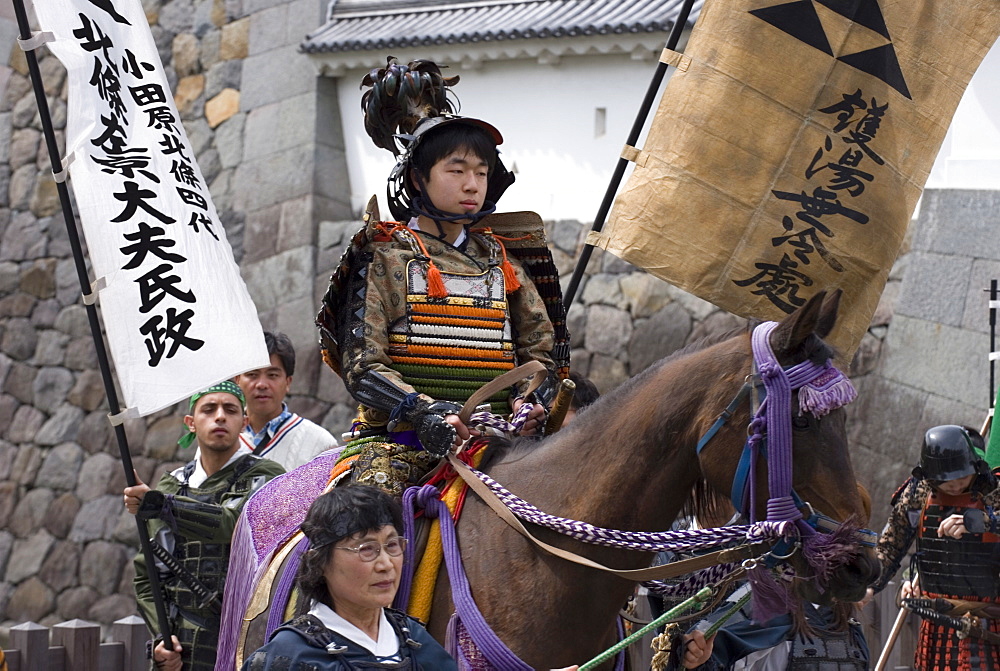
(95, 326)
(993, 340)
(633, 137)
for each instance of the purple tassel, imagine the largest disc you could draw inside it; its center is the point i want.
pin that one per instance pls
(237, 592)
(827, 552)
(829, 391)
(771, 597)
(283, 593)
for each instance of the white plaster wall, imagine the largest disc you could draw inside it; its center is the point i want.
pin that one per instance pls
(970, 154)
(562, 163)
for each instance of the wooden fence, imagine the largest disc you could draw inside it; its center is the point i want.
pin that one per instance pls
(76, 646)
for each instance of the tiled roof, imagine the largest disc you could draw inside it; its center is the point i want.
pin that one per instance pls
(356, 26)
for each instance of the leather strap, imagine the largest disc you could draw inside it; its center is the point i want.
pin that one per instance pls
(533, 369)
(672, 570)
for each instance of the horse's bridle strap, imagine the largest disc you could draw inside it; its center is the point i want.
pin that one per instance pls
(665, 571)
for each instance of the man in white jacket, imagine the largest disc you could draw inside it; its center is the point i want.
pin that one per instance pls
(272, 430)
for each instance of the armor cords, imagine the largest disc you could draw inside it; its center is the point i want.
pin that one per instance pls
(449, 347)
(965, 568)
(828, 651)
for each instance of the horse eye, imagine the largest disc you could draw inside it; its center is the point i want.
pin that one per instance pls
(800, 422)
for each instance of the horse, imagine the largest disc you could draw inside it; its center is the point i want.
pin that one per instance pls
(630, 462)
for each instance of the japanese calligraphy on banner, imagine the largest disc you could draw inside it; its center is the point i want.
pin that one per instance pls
(176, 311)
(791, 146)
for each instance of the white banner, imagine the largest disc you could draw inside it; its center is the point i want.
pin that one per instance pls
(176, 311)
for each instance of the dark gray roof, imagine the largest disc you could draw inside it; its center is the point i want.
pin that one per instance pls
(358, 26)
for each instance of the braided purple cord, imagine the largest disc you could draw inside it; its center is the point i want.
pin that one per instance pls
(692, 584)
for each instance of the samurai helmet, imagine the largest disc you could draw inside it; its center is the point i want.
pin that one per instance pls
(948, 453)
(406, 104)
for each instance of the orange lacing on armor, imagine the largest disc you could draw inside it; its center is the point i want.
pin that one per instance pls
(497, 365)
(435, 285)
(511, 283)
(457, 310)
(451, 352)
(458, 321)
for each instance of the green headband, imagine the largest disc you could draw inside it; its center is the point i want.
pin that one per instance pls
(226, 386)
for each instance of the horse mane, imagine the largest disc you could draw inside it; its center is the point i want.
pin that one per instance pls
(500, 447)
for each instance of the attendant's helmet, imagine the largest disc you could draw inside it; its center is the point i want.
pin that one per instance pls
(948, 453)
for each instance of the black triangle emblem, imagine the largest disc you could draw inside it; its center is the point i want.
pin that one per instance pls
(798, 19)
(880, 62)
(864, 12)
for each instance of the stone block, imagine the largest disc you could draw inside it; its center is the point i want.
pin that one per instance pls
(80, 354)
(23, 149)
(22, 186)
(235, 39)
(45, 313)
(61, 427)
(268, 30)
(53, 74)
(27, 556)
(50, 350)
(208, 161)
(332, 180)
(187, 54)
(8, 502)
(59, 569)
(939, 410)
(21, 382)
(50, 388)
(221, 76)
(17, 304)
(229, 140)
(75, 603)
(24, 239)
(189, 90)
(250, 7)
(274, 179)
(209, 48)
(605, 289)
(112, 608)
(96, 472)
(10, 276)
(97, 519)
(276, 75)
(199, 135)
(645, 294)
(935, 288)
(259, 233)
(45, 198)
(697, 307)
(96, 434)
(608, 330)
(6, 546)
(39, 279)
(101, 566)
(657, 337)
(61, 467)
(25, 112)
(885, 418)
(606, 372)
(886, 304)
(912, 360)
(88, 391)
(177, 16)
(222, 107)
(576, 324)
(26, 464)
(295, 318)
(59, 517)
(304, 16)
(296, 226)
(715, 324)
(18, 86)
(72, 320)
(285, 276)
(936, 228)
(30, 601)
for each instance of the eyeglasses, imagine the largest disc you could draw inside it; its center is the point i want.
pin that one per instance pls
(370, 551)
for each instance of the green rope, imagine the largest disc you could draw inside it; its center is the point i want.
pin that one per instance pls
(717, 625)
(694, 602)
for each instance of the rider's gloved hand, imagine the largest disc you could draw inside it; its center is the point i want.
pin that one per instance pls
(436, 434)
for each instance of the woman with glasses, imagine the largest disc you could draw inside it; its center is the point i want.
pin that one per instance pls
(350, 574)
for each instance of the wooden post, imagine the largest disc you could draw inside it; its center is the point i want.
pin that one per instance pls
(81, 641)
(32, 641)
(132, 632)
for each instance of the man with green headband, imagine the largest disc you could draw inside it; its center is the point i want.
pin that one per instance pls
(192, 514)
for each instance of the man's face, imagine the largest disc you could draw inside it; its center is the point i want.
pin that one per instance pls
(457, 183)
(265, 389)
(217, 420)
(954, 487)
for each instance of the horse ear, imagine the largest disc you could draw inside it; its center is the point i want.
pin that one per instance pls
(828, 313)
(796, 327)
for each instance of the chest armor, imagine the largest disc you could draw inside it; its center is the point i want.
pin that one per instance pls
(964, 567)
(449, 347)
(833, 652)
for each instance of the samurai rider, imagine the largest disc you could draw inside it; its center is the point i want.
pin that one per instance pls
(949, 507)
(192, 514)
(426, 309)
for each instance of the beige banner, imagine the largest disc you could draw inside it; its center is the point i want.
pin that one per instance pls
(788, 155)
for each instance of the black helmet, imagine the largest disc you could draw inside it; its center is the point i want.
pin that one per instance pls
(948, 454)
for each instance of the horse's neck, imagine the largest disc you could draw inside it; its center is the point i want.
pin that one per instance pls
(628, 465)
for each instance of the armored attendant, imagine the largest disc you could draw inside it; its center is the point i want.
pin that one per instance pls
(193, 511)
(426, 309)
(948, 506)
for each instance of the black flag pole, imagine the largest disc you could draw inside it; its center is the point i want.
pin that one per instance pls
(633, 137)
(95, 326)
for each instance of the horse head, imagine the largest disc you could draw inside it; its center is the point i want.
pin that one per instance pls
(829, 553)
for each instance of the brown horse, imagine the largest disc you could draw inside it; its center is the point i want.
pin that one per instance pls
(629, 462)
